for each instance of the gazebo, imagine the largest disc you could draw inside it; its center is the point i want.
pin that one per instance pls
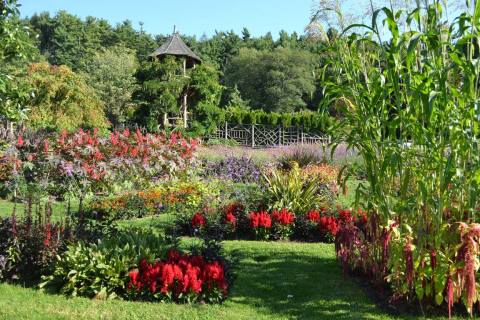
(175, 46)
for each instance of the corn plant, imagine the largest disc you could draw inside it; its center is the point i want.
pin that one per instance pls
(411, 111)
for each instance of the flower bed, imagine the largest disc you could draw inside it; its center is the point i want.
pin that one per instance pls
(179, 278)
(139, 265)
(148, 202)
(234, 222)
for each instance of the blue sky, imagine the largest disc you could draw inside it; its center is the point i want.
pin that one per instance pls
(192, 17)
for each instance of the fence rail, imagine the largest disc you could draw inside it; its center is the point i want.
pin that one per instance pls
(267, 136)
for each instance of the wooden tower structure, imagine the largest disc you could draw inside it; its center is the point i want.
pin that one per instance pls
(175, 46)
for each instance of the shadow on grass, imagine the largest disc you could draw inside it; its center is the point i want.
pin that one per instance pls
(303, 286)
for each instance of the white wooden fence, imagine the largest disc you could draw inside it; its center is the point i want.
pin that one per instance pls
(254, 135)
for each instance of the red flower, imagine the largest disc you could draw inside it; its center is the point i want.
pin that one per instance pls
(260, 220)
(20, 141)
(198, 220)
(230, 219)
(283, 217)
(214, 276)
(313, 216)
(328, 225)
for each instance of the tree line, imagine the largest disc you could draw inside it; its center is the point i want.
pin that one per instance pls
(104, 69)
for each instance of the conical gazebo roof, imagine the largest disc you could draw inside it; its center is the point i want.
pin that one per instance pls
(176, 47)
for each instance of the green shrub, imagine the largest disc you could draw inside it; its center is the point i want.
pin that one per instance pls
(100, 270)
(309, 120)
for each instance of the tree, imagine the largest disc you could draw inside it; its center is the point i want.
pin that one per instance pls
(161, 85)
(111, 74)
(205, 92)
(62, 100)
(234, 99)
(281, 80)
(15, 46)
(67, 40)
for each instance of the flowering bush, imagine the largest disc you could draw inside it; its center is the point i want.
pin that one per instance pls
(233, 221)
(84, 161)
(179, 278)
(149, 201)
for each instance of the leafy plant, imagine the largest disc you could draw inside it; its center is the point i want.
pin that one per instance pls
(100, 270)
(413, 118)
(29, 246)
(292, 191)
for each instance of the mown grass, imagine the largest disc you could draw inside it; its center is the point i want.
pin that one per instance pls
(279, 280)
(275, 280)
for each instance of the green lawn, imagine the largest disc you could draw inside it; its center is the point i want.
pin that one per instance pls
(275, 281)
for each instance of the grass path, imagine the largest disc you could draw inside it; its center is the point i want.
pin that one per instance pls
(275, 281)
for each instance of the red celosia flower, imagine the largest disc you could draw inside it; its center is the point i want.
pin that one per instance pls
(313, 216)
(230, 219)
(283, 217)
(198, 220)
(260, 220)
(328, 225)
(179, 274)
(214, 276)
